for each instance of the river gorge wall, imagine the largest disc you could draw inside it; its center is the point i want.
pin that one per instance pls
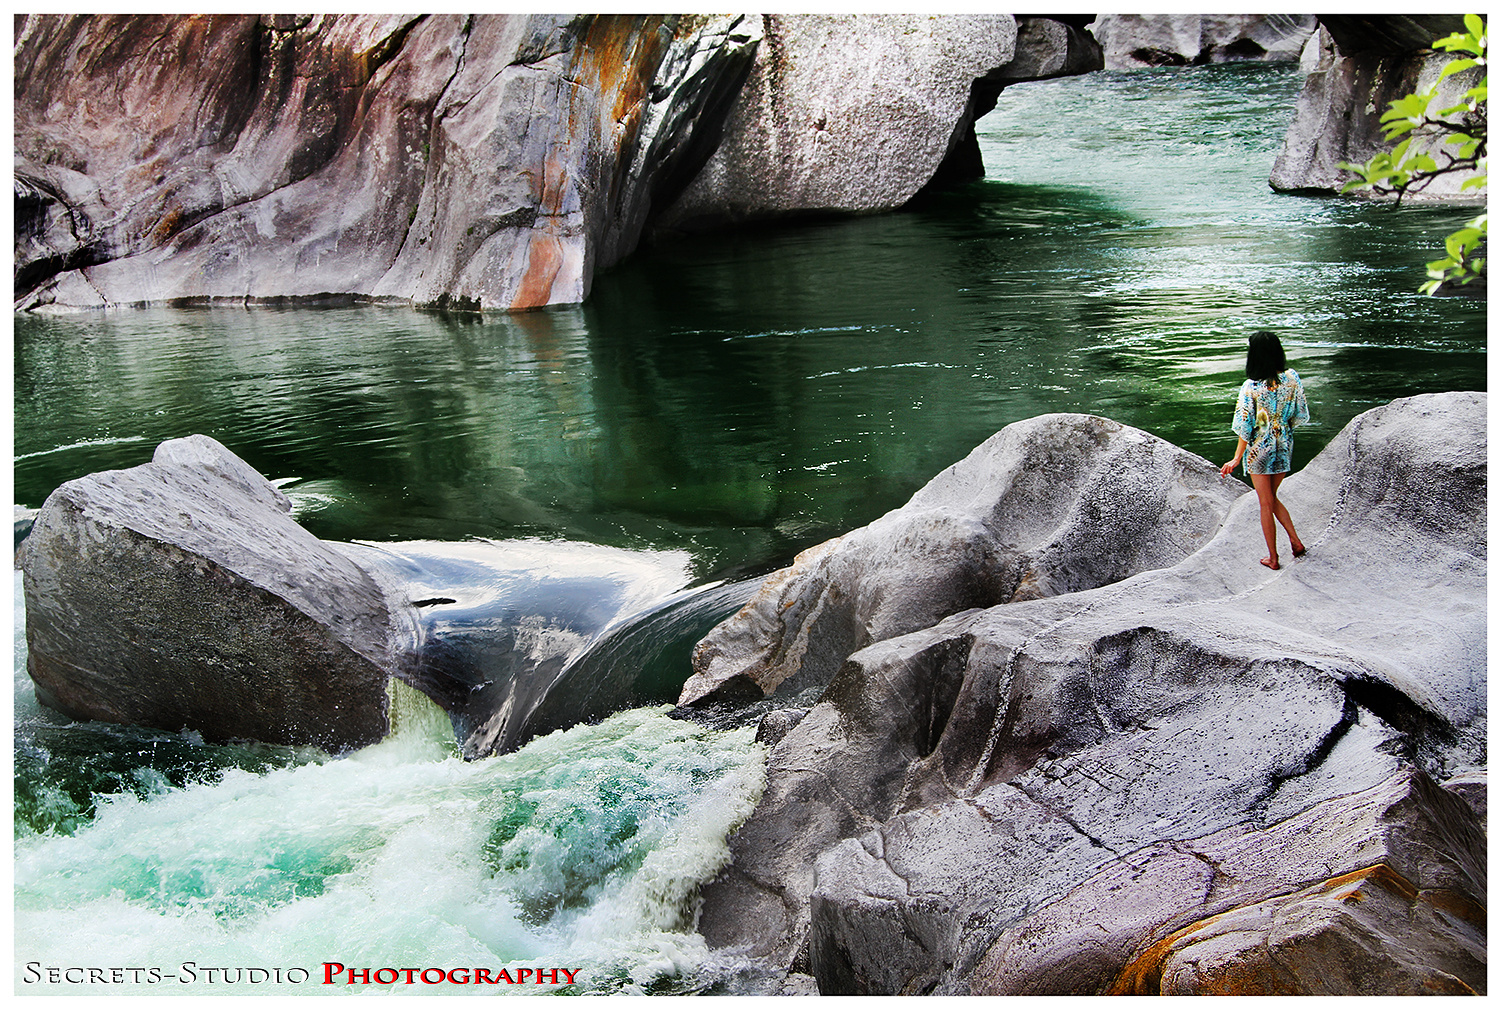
(1357, 65)
(493, 161)
(501, 161)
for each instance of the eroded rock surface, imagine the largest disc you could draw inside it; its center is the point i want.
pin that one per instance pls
(957, 781)
(1174, 40)
(474, 162)
(854, 113)
(182, 594)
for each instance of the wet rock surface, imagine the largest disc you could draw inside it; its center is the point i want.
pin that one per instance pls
(182, 594)
(956, 782)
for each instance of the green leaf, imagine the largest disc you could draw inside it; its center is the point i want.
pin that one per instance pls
(1476, 25)
(1455, 67)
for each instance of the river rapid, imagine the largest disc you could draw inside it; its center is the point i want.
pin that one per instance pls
(722, 402)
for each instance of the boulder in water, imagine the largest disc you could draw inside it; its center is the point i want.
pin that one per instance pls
(854, 113)
(182, 594)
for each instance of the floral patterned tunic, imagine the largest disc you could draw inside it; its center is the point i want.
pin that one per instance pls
(1264, 418)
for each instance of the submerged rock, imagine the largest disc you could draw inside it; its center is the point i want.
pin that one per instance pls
(1358, 65)
(1175, 40)
(957, 781)
(182, 594)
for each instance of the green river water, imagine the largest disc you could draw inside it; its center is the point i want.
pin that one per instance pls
(732, 400)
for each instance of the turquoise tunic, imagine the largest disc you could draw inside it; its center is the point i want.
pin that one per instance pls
(1264, 417)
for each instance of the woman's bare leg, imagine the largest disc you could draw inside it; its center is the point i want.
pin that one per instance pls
(1265, 490)
(1284, 517)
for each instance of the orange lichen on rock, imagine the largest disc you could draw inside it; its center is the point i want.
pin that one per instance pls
(544, 259)
(1284, 945)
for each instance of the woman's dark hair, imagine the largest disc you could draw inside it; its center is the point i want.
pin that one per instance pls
(1265, 359)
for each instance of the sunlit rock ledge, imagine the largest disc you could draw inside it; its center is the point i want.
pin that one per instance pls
(1000, 793)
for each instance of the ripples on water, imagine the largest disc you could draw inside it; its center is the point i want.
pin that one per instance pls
(735, 398)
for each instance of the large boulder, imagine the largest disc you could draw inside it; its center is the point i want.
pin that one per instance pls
(854, 113)
(493, 161)
(1174, 40)
(182, 594)
(1358, 65)
(955, 782)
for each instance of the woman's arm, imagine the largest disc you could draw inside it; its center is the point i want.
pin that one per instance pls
(1239, 453)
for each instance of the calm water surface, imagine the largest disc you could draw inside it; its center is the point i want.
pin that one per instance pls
(735, 398)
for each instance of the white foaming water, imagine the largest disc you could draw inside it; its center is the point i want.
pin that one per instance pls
(584, 850)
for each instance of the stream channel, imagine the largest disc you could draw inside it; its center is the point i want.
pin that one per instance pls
(715, 407)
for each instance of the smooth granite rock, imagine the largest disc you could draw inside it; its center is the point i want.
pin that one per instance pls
(855, 113)
(1358, 65)
(493, 161)
(1205, 915)
(957, 780)
(488, 161)
(1174, 40)
(181, 594)
(1050, 505)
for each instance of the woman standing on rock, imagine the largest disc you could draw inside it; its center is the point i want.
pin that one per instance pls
(1271, 403)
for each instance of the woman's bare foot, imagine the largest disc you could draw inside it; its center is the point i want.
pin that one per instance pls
(1298, 549)
(1271, 564)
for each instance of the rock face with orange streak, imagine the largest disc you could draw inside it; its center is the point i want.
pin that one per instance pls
(488, 162)
(480, 162)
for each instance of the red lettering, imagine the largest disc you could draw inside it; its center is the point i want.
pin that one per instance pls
(433, 981)
(570, 975)
(483, 975)
(505, 975)
(540, 973)
(386, 981)
(364, 972)
(521, 974)
(330, 969)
